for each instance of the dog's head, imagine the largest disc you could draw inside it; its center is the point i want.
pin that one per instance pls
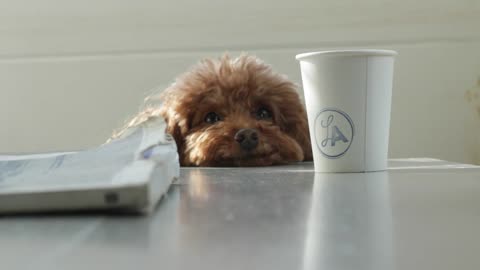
(236, 112)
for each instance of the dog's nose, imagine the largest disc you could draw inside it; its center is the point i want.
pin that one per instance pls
(247, 138)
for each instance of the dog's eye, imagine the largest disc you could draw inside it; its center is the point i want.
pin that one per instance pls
(263, 113)
(211, 118)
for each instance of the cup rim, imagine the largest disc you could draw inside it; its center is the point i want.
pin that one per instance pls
(358, 52)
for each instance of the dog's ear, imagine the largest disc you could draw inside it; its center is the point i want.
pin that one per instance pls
(176, 127)
(291, 115)
(297, 127)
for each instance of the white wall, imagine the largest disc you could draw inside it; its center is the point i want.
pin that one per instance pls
(71, 71)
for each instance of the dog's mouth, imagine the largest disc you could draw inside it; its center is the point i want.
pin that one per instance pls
(250, 159)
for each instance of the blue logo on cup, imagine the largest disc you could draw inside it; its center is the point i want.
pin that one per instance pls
(334, 132)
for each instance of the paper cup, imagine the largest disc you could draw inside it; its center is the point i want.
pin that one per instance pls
(348, 99)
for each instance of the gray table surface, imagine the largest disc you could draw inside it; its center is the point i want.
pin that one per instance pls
(421, 214)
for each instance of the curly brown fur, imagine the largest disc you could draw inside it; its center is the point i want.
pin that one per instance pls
(207, 106)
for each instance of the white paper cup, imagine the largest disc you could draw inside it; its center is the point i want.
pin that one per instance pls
(348, 99)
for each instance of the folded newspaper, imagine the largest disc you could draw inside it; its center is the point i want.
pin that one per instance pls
(131, 173)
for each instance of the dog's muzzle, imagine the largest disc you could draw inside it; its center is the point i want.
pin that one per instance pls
(247, 138)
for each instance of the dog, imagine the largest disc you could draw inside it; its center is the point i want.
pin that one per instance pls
(233, 112)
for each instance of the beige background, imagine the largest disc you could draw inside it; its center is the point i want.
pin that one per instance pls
(72, 71)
